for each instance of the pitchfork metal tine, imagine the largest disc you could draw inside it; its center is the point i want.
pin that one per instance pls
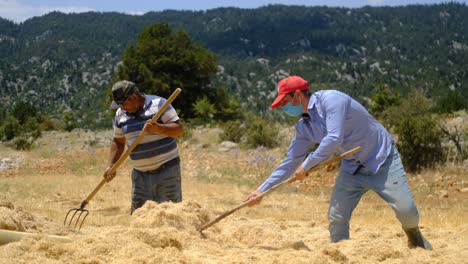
(83, 212)
(84, 217)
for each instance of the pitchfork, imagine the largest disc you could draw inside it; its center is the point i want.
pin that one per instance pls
(277, 186)
(79, 212)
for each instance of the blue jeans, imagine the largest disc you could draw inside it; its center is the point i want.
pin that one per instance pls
(389, 182)
(160, 185)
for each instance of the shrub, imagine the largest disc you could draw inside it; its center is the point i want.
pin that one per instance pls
(451, 102)
(21, 143)
(419, 137)
(11, 128)
(31, 127)
(69, 121)
(23, 111)
(204, 110)
(48, 124)
(419, 142)
(232, 131)
(227, 107)
(383, 99)
(261, 133)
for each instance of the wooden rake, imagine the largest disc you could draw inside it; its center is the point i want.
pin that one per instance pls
(81, 213)
(279, 185)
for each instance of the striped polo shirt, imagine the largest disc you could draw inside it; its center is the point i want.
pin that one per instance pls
(154, 149)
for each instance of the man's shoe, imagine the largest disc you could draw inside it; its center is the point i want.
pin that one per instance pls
(416, 239)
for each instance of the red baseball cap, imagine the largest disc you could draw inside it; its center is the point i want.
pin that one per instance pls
(288, 85)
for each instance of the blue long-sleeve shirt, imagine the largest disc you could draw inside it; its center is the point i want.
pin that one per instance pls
(339, 123)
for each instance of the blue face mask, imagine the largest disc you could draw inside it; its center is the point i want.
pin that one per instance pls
(293, 110)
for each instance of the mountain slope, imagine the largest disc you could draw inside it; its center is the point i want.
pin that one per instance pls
(65, 61)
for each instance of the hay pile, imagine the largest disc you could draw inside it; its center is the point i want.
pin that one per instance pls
(16, 219)
(167, 233)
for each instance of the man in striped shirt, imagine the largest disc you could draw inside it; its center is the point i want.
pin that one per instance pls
(156, 174)
(339, 123)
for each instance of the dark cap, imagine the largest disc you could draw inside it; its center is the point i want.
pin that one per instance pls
(121, 91)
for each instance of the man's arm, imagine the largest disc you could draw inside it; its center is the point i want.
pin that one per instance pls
(298, 148)
(173, 129)
(116, 150)
(335, 108)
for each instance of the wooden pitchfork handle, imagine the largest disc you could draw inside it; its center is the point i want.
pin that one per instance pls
(131, 148)
(272, 189)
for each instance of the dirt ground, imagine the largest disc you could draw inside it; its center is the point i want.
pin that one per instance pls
(37, 188)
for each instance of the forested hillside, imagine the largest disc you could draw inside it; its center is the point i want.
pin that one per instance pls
(62, 62)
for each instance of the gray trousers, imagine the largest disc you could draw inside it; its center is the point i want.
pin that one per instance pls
(390, 183)
(160, 185)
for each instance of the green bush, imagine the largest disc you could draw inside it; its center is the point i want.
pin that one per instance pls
(69, 121)
(20, 125)
(419, 142)
(260, 132)
(217, 106)
(48, 124)
(419, 137)
(227, 107)
(31, 127)
(11, 128)
(3, 114)
(21, 143)
(23, 111)
(204, 110)
(451, 102)
(232, 131)
(383, 99)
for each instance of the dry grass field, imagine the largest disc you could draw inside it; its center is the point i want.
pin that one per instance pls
(38, 187)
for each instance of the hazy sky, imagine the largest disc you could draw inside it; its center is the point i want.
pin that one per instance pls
(20, 10)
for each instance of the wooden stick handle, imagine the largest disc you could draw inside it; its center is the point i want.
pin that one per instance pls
(279, 185)
(132, 147)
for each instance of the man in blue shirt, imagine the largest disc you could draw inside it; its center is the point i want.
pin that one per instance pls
(339, 123)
